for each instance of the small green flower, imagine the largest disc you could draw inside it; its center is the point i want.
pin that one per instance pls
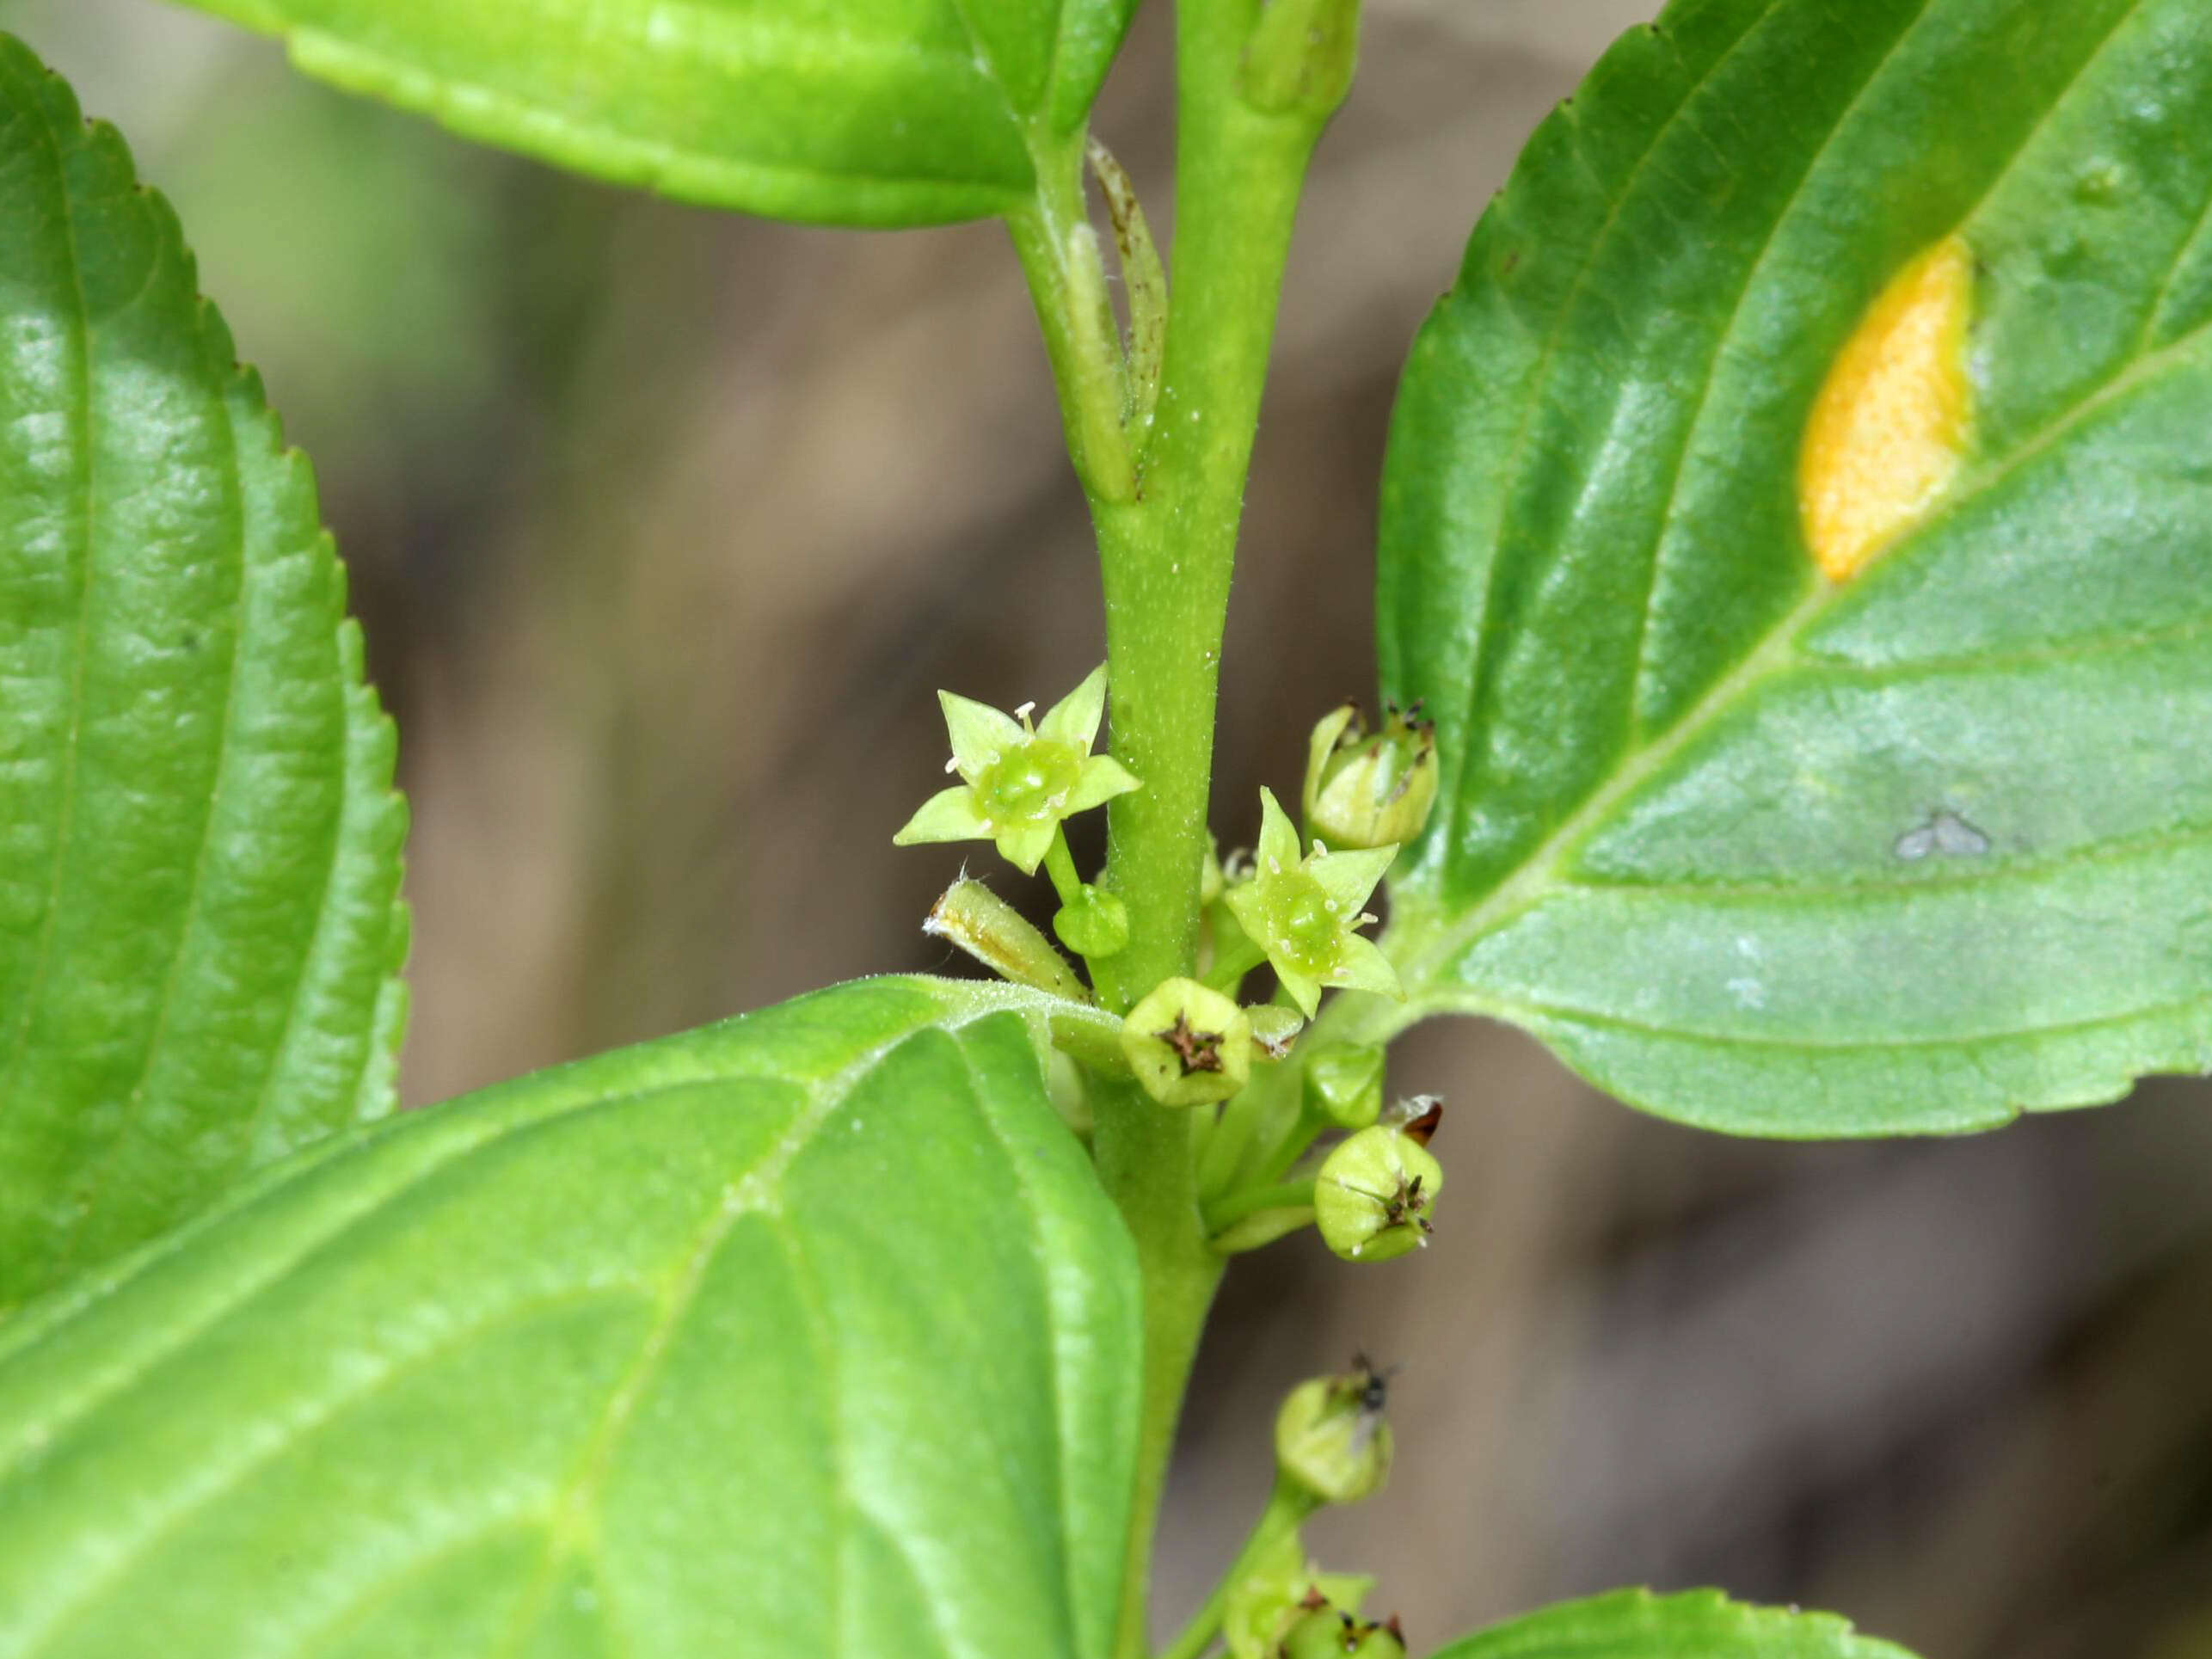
(1304, 912)
(1018, 781)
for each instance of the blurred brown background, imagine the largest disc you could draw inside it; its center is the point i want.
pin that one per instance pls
(664, 525)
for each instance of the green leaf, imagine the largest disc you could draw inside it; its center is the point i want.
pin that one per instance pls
(1750, 848)
(198, 839)
(808, 1333)
(1697, 1625)
(833, 111)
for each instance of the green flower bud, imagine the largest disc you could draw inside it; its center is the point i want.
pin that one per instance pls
(1188, 1044)
(1344, 1084)
(1275, 1027)
(1370, 791)
(1096, 926)
(997, 935)
(1331, 1439)
(1332, 1633)
(1372, 1198)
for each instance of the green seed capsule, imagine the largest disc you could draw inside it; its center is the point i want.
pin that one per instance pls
(1332, 1633)
(1366, 790)
(1331, 1439)
(1188, 1044)
(1282, 1587)
(1372, 1198)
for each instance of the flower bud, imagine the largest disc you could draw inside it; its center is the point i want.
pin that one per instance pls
(1372, 1198)
(1344, 1084)
(1331, 1439)
(1275, 1027)
(1370, 791)
(1188, 1044)
(1332, 1633)
(1096, 926)
(997, 935)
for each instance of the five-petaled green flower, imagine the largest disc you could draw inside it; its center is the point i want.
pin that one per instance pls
(1018, 781)
(1303, 911)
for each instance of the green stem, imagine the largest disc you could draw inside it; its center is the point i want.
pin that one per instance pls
(1060, 864)
(1234, 1206)
(1229, 972)
(1142, 1151)
(1278, 1160)
(1287, 1508)
(1221, 1151)
(1165, 500)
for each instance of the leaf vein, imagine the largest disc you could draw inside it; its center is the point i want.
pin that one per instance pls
(211, 1484)
(1487, 625)
(1962, 875)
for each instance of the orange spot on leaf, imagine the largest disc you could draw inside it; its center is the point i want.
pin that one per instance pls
(1891, 420)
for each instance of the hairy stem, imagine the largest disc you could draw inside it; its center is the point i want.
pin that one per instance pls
(1166, 501)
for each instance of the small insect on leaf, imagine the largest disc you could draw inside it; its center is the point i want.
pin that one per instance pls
(1890, 421)
(1946, 832)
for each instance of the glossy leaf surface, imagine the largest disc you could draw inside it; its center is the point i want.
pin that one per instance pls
(837, 111)
(198, 839)
(1698, 1625)
(1748, 847)
(808, 1333)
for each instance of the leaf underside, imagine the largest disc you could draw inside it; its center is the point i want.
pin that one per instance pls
(1753, 850)
(810, 1332)
(1696, 1625)
(199, 843)
(833, 111)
